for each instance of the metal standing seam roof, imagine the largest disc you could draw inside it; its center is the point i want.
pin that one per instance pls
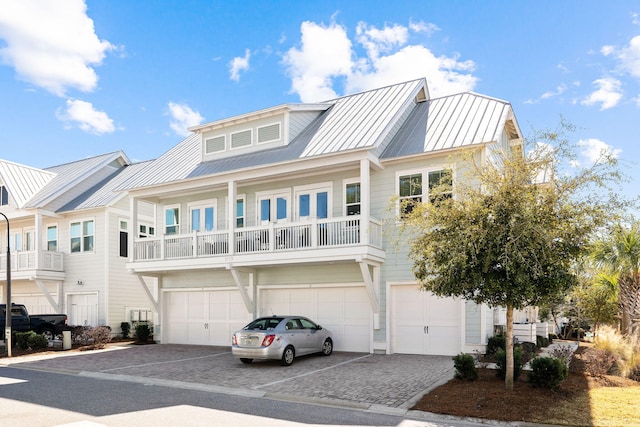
(104, 193)
(450, 122)
(23, 182)
(351, 122)
(70, 174)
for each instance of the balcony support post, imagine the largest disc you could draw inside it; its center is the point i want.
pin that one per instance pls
(372, 282)
(248, 301)
(55, 305)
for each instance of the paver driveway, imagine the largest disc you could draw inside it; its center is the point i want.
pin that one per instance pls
(356, 379)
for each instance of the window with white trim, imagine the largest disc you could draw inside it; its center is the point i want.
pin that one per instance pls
(172, 220)
(313, 201)
(145, 230)
(352, 198)
(240, 212)
(273, 207)
(241, 139)
(202, 216)
(412, 189)
(82, 236)
(215, 144)
(268, 133)
(124, 238)
(52, 238)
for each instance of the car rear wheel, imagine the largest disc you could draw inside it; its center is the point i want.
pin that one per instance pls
(48, 334)
(245, 360)
(288, 355)
(327, 347)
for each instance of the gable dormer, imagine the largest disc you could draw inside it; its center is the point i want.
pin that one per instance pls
(258, 131)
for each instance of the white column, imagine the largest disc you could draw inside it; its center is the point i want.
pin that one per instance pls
(365, 200)
(133, 224)
(232, 195)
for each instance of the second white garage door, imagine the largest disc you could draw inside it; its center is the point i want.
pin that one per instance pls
(423, 323)
(203, 317)
(345, 311)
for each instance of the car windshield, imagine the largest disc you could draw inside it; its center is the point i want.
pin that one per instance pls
(264, 323)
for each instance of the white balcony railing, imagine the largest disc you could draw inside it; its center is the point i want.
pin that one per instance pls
(307, 235)
(26, 260)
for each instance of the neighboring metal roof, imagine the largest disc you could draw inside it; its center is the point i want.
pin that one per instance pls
(450, 122)
(22, 182)
(104, 194)
(69, 175)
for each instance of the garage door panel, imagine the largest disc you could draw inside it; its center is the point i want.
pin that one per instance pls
(423, 323)
(344, 311)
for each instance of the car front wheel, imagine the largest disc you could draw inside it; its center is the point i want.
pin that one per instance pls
(287, 356)
(327, 347)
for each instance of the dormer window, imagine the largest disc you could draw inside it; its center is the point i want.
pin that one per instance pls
(269, 133)
(241, 139)
(215, 144)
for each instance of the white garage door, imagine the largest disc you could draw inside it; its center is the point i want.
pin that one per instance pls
(204, 317)
(423, 323)
(345, 311)
(83, 310)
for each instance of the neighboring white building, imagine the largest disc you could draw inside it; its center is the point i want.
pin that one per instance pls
(287, 210)
(69, 233)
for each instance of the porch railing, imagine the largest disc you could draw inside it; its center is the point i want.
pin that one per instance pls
(26, 260)
(308, 235)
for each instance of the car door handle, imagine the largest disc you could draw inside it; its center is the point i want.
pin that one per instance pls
(426, 329)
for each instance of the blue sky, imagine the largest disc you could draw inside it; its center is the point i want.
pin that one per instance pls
(78, 79)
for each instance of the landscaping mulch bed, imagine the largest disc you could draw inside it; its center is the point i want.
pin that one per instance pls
(487, 397)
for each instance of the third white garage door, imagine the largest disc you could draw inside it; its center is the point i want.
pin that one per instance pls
(345, 311)
(423, 323)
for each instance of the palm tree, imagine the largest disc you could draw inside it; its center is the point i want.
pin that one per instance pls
(620, 253)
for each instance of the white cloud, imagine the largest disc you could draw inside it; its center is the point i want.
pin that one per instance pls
(183, 117)
(595, 150)
(83, 115)
(607, 50)
(239, 63)
(608, 94)
(422, 27)
(559, 91)
(629, 57)
(326, 55)
(52, 44)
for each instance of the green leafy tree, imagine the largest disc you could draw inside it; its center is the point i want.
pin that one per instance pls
(597, 299)
(619, 252)
(506, 238)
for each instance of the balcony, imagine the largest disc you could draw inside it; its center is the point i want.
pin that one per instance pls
(26, 263)
(300, 240)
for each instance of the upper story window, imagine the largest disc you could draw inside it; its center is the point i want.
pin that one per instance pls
(82, 236)
(269, 133)
(273, 207)
(313, 201)
(145, 230)
(215, 144)
(203, 217)
(241, 139)
(414, 188)
(352, 198)
(52, 238)
(172, 220)
(124, 238)
(4, 196)
(240, 212)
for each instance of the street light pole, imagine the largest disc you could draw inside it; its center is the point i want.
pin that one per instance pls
(7, 325)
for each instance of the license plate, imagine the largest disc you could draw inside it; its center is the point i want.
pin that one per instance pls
(248, 341)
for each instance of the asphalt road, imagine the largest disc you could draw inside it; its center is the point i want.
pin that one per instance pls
(45, 399)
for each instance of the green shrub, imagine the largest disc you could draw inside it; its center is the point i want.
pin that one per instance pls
(143, 332)
(548, 372)
(541, 341)
(501, 362)
(465, 366)
(31, 340)
(495, 343)
(126, 329)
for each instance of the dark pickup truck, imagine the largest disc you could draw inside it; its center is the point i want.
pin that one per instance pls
(50, 325)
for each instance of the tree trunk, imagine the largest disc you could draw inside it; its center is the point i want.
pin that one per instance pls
(508, 378)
